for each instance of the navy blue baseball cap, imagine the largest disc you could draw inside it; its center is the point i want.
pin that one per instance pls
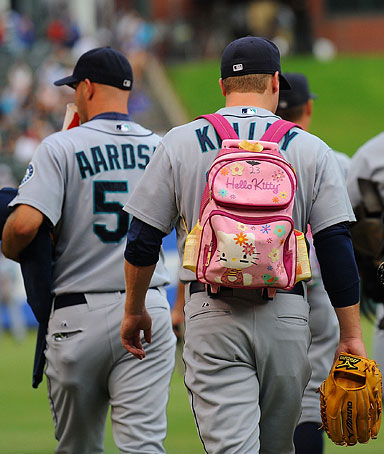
(252, 55)
(102, 65)
(298, 95)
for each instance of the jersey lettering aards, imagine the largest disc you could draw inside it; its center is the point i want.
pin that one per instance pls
(80, 180)
(206, 144)
(110, 157)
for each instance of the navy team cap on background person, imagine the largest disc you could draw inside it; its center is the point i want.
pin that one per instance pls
(102, 65)
(299, 94)
(252, 55)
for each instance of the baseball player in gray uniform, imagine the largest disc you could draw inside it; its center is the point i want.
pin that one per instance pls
(77, 181)
(246, 358)
(368, 163)
(297, 105)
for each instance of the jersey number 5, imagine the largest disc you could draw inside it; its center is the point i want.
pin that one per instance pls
(100, 188)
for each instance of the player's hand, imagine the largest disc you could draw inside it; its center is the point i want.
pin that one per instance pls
(352, 345)
(351, 337)
(177, 322)
(130, 332)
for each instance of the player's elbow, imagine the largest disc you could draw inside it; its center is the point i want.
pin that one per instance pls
(8, 251)
(14, 242)
(19, 231)
(24, 231)
(5, 251)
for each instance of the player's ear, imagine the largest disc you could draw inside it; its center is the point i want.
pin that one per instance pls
(90, 88)
(275, 82)
(223, 90)
(309, 107)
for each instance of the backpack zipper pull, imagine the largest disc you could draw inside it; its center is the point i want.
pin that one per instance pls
(209, 254)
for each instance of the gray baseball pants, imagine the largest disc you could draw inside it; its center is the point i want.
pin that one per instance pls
(325, 338)
(89, 371)
(246, 370)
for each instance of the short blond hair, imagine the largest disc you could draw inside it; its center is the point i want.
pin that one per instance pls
(246, 84)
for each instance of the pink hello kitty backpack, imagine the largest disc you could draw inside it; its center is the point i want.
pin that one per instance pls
(247, 232)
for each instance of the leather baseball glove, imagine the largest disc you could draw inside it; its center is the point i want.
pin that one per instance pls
(351, 400)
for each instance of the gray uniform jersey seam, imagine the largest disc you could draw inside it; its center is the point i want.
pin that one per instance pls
(275, 117)
(119, 135)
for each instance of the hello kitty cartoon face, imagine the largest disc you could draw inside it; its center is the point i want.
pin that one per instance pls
(236, 250)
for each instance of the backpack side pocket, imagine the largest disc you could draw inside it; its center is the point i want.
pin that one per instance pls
(191, 249)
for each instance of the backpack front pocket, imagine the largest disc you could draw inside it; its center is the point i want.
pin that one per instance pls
(265, 182)
(251, 252)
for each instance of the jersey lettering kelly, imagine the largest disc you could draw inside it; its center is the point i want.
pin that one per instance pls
(110, 157)
(206, 143)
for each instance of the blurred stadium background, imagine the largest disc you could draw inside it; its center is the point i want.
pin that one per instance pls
(174, 47)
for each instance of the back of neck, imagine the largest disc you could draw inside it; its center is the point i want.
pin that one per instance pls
(250, 99)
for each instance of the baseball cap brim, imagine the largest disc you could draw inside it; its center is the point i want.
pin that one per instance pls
(284, 84)
(69, 80)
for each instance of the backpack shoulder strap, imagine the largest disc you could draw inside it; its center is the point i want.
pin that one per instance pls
(277, 130)
(225, 131)
(221, 124)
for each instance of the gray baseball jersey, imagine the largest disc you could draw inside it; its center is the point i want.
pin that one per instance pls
(93, 165)
(175, 179)
(368, 162)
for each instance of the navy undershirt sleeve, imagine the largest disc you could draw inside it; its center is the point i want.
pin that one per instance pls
(334, 251)
(143, 243)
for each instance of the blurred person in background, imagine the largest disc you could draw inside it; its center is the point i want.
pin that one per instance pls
(12, 297)
(17, 89)
(296, 105)
(18, 32)
(12, 293)
(365, 185)
(135, 36)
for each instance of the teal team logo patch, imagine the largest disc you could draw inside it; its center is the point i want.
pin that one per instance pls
(123, 127)
(28, 174)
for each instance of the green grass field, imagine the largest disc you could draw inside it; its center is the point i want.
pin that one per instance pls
(25, 418)
(350, 92)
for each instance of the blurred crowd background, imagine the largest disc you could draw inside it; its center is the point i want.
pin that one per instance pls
(40, 40)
